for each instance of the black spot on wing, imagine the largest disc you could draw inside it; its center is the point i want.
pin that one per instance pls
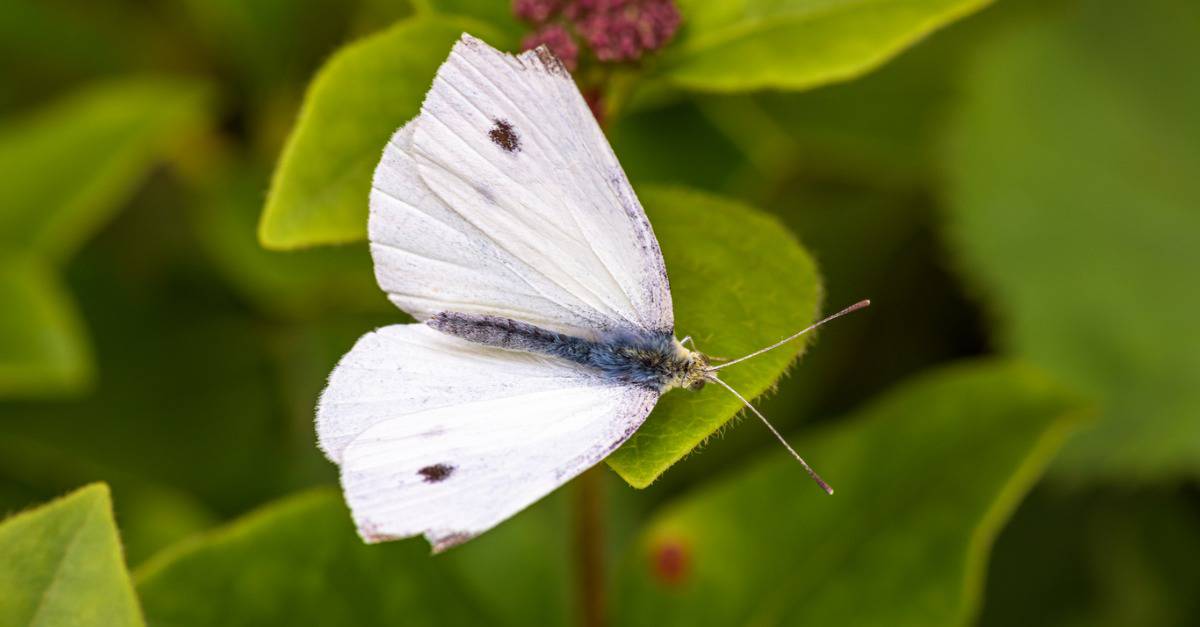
(436, 472)
(503, 135)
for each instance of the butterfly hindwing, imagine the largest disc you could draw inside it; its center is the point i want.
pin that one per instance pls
(443, 437)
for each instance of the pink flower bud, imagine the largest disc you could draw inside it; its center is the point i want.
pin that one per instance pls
(624, 30)
(536, 11)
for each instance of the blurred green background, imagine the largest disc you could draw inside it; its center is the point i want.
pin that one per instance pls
(1015, 422)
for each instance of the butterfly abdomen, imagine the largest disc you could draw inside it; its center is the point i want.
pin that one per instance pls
(646, 359)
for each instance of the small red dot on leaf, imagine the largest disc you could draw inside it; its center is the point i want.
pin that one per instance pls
(671, 562)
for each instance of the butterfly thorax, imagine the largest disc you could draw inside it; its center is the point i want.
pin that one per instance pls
(647, 359)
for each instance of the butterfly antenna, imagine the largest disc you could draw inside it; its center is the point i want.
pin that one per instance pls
(812, 473)
(855, 307)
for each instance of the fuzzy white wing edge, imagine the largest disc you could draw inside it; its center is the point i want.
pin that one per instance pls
(440, 437)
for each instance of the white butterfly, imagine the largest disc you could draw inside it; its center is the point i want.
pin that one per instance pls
(501, 219)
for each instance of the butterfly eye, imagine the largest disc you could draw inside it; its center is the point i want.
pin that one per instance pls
(697, 385)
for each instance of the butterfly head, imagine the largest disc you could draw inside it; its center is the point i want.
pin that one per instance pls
(697, 374)
(690, 368)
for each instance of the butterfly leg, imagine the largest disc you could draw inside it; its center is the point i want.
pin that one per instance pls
(692, 346)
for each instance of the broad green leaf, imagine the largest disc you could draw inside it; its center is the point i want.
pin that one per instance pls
(1073, 204)
(61, 564)
(357, 100)
(882, 128)
(1102, 558)
(42, 349)
(871, 242)
(796, 44)
(739, 281)
(299, 561)
(925, 477)
(70, 166)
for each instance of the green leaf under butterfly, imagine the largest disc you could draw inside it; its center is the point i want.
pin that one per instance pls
(739, 281)
(61, 564)
(1073, 203)
(355, 103)
(796, 44)
(925, 477)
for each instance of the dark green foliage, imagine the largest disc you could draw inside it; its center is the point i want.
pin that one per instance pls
(1015, 193)
(1073, 205)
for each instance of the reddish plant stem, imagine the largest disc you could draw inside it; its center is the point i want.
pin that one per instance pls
(589, 547)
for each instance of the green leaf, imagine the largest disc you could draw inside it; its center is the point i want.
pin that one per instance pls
(739, 281)
(61, 564)
(300, 562)
(1073, 201)
(924, 478)
(152, 515)
(42, 349)
(883, 128)
(70, 166)
(796, 44)
(357, 100)
(1103, 558)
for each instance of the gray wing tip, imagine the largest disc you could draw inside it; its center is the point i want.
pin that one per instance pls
(540, 57)
(470, 41)
(545, 58)
(441, 541)
(371, 534)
